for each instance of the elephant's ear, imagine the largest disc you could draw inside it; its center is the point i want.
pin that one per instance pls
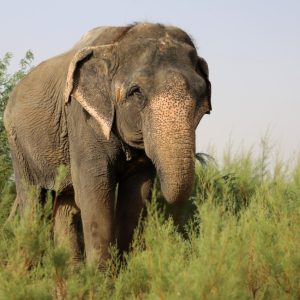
(87, 81)
(203, 67)
(206, 101)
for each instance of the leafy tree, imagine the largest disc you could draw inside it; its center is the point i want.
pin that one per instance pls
(7, 83)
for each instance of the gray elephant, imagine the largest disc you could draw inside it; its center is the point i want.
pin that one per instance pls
(118, 108)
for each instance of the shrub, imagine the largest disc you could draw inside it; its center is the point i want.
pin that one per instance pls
(240, 241)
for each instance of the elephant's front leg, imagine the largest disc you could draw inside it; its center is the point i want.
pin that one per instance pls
(97, 215)
(94, 195)
(133, 192)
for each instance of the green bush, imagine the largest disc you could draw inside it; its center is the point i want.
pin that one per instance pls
(240, 240)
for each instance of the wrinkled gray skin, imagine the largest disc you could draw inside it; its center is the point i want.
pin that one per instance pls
(118, 108)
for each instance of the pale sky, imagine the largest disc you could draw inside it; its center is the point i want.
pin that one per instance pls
(252, 48)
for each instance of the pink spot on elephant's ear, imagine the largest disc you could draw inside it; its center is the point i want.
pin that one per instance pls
(104, 123)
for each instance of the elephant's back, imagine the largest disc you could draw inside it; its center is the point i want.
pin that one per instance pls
(102, 36)
(35, 121)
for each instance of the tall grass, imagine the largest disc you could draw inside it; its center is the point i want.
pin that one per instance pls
(238, 237)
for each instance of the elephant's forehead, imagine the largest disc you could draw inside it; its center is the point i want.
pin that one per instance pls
(162, 46)
(157, 31)
(151, 53)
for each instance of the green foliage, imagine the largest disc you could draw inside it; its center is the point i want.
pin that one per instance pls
(238, 238)
(7, 83)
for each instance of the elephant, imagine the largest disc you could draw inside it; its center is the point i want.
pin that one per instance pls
(118, 109)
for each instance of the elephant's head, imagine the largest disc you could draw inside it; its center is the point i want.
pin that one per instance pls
(155, 88)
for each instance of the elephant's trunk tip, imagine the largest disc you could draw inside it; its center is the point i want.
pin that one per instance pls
(177, 192)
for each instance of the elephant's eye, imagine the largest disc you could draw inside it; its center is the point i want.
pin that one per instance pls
(134, 91)
(136, 97)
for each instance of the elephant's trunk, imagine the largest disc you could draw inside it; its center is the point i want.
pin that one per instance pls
(169, 137)
(175, 167)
